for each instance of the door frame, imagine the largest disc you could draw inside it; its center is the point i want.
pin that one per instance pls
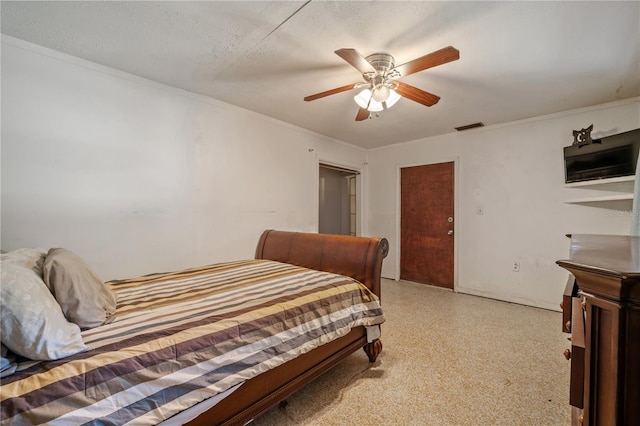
(456, 214)
(360, 190)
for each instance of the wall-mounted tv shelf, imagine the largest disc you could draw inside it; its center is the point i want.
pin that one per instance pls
(598, 199)
(608, 181)
(603, 190)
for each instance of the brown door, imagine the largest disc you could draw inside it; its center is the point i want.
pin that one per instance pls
(426, 224)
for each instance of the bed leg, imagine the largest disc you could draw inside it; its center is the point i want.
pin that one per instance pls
(373, 349)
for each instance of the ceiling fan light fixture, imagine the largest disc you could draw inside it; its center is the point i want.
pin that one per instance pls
(375, 106)
(367, 100)
(393, 98)
(362, 98)
(381, 93)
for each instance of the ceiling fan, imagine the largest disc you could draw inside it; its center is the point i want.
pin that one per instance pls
(381, 86)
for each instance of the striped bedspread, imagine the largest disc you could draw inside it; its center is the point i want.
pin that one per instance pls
(179, 338)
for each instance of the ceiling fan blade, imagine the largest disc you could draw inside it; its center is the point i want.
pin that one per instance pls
(430, 60)
(356, 60)
(416, 95)
(331, 92)
(363, 114)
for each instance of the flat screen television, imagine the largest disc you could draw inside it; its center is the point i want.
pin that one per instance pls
(612, 156)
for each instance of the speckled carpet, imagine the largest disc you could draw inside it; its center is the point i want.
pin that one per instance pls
(448, 359)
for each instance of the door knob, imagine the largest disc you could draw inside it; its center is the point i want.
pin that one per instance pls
(450, 232)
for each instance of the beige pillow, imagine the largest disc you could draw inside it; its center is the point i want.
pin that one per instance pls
(85, 300)
(32, 322)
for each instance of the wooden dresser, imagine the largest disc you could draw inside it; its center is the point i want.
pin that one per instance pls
(601, 310)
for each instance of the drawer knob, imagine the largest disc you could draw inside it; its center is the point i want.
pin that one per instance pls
(567, 354)
(561, 305)
(567, 326)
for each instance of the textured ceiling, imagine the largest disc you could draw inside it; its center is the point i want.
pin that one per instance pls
(517, 59)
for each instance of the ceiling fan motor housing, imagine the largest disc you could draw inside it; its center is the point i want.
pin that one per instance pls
(382, 62)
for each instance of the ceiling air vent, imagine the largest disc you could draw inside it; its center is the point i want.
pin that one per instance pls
(470, 126)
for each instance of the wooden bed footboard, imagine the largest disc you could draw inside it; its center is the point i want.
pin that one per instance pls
(356, 257)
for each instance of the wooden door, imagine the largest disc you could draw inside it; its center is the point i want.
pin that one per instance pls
(426, 224)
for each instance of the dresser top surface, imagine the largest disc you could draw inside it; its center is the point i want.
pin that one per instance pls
(610, 254)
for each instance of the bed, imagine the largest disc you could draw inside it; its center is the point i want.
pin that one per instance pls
(169, 353)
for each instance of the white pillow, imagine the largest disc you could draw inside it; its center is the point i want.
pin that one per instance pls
(32, 258)
(31, 320)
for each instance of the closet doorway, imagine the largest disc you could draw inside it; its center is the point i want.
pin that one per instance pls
(338, 200)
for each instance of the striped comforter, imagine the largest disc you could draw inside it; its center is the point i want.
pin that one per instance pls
(179, 338)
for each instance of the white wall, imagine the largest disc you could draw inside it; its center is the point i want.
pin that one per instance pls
(515, 173)
(138, 177)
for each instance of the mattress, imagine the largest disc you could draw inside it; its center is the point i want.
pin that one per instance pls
(180, 338)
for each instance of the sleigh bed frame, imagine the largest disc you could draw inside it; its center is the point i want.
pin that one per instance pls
(212, 345)
(356, 257)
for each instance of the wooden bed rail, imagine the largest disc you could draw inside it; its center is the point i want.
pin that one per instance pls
(357, 257)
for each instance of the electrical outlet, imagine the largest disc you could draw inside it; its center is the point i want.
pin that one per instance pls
(516, 267)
